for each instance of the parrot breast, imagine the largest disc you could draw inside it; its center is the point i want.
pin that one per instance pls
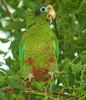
(39, 71)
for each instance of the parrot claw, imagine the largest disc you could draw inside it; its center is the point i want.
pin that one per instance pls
(30, 77)
(51, 74)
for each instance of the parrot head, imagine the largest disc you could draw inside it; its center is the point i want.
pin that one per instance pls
(39, 6)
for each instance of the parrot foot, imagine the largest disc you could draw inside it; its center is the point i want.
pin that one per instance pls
(51, 74)
(30, 76)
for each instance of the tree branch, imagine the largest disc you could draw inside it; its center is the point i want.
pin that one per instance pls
(7, 89)
(8, 11)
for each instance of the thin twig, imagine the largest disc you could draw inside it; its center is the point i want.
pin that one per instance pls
(50, 92)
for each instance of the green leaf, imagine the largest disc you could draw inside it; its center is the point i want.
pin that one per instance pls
(70, 77)
(12, 3)
(2, 79)
(38, 86)
(1, 52)
(2, 95)
(14, 83)
(1, 63)
(4, 40)
(13, 64)
(83, 56)
(81, 88)
(54, 85)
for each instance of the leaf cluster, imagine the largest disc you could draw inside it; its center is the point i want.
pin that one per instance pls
(69, 83)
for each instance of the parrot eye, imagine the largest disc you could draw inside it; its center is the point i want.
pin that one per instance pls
(43, 9)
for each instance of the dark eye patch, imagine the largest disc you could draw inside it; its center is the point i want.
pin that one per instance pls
(43, 1)
(37, 12)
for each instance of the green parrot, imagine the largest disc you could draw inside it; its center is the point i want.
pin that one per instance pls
(38, 50)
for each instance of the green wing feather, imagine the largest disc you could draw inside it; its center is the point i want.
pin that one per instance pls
(21, 53)
(56, 46)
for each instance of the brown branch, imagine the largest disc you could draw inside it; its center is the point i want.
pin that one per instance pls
(8, 11)
(7, 89)
(61, 94)
(29, 87)
(4, 3)
(55, 94)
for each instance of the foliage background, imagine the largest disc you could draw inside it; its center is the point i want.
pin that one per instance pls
(70, 81)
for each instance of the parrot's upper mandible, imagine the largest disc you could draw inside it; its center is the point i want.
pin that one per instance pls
(51, 15)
